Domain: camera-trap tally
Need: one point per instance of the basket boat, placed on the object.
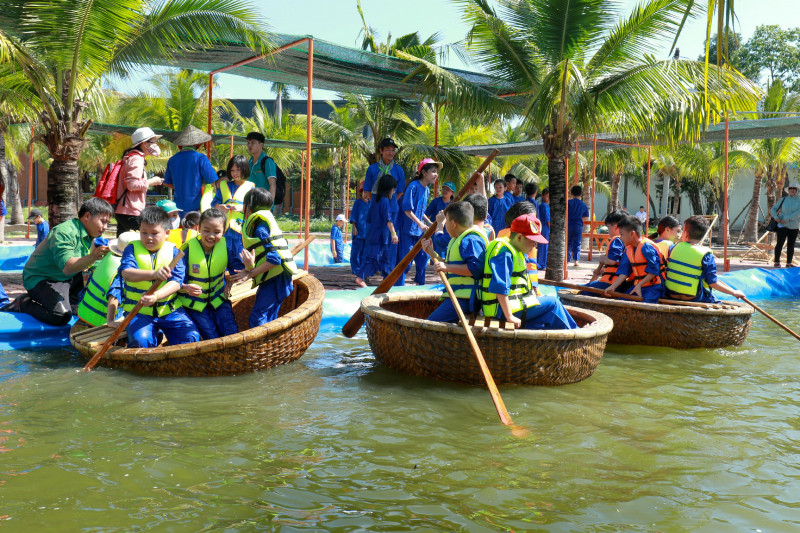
(278, 342)
(671, 326)
(402, 339)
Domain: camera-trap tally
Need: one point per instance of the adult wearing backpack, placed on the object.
(263, 171)
(190, 173)
(133, 182)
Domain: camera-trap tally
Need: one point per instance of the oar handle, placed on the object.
(127, 320)
(357, 320)
(593, 290)
(778, 322)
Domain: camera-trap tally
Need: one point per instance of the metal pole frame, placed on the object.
(594, 172)
(647, 195)
(566, 216)
(726, 262)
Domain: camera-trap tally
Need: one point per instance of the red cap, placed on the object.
(529, 226)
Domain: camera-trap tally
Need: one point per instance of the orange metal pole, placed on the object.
(302, 191)
(725, 261)
(231, 156)
(210, 100)
(436, 144)
(347, 195)
(594, 172)
(647, 196)
(566, 218)
(30, 181)
(308, 138)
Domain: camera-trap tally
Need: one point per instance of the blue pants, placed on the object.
(269, 297)
(447, 313)
(213, 323)
(236, 239)
(375, 257)
(625, 287)
(541, 256)
(356, 255)
(574, 243)
(3, 296)
(407, 242)
(177, 327)
(651, 294)
(549, 314)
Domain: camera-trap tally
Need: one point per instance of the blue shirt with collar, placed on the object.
(338, 240)
(437, 204)
(187, 171)
(415, 199)
(650, 254)
(358, 218)
(41, 232)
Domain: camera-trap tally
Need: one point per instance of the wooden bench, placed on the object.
(485, 322)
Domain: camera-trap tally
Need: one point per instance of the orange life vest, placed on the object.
(639, 263)
(609, 271)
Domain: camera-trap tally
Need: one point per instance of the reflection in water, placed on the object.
(655, 440)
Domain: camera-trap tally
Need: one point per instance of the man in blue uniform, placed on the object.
(190, 173)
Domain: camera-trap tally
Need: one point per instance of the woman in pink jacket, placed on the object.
(133, 182)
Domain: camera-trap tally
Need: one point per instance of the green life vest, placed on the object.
(207, 272)
(235, 219)
(684, 268)
(261, 247)
(135, 289)
(94, 304)
(521, 294)
(463, 286)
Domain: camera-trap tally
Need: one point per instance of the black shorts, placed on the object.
(52, 301)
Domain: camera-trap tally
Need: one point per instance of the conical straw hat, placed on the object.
(191, 136)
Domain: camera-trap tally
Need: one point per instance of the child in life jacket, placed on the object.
(642, 262)
(515, 211)
(230, 198)
(204, 292)
(143, 262)
(692, 268)
(187, 230)
(463, 262)
(606, 270)
(100, 300)
(667, 234)
(507, 291)
(266, 257)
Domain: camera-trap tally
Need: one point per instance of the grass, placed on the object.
(291, 223)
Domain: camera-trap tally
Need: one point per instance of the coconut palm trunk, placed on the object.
(558, 218)
(614, 201)
(751, 224)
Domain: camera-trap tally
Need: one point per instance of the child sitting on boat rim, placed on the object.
(506, 289)
(692, 269)
(266, 257)
(607, 268)
(143, 262)
(463, 261)
(642, 261)
(204, 291)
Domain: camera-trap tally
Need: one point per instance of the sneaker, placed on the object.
(15, 305)
(776, 265)
(791, 265)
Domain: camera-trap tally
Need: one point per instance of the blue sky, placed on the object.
(337, 21)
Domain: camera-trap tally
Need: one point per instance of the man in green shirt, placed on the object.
(53, 275)
(266, 178)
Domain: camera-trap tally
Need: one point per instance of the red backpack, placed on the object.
(107, 184)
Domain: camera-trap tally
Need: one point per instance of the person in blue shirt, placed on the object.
(519, 192)
(337, 239)
(204, 292)
(606, 272)
(543, 211)
(190, 173)
(4, 301)
(642, 263)
(143, 262)
(42, 227)
(463, 262)
(511, 186)
(266, 257)
(358, 223)
(412, 226)
(385, 166)
(263, 172)
(531, 189)
(440, 202)
(499, 204)
(380, 230)
(577, 216)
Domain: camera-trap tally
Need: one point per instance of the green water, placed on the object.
(656, 440)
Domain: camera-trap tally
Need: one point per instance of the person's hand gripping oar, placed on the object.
(505, 418)
(127, 320)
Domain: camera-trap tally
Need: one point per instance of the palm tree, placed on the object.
(581, 69)
(771, 157)
(98, 37)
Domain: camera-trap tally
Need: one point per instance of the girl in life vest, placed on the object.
(187, 230)
(231, 193)
(266, 257)
(203, 294)
(642, 262)
(606, 272)
(667, 234)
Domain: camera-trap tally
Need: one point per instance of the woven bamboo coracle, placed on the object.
(671, 326)
(401, 339)
(278, 342)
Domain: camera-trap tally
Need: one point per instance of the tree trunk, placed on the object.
(697, 204)
(613, 203)
(676, 200)
(558, 218)
(3, 180)
(772, 190)
(664, 198)
(345, 192)
(751, 224)
(332, 203)
(278, 109)
(62, 188)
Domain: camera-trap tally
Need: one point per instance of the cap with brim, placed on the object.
(791, 186)
(141, 135)
(191, 136)
(450, 185)
(118, 245)
(168, 206)
(388, 141)
(34, 213)
(340, 217)
(529, 226)
(428, 161)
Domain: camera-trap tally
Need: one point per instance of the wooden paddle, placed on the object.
(622, 295)
(757, 308)
(357, 320)
(127, 320)
(505, 418)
